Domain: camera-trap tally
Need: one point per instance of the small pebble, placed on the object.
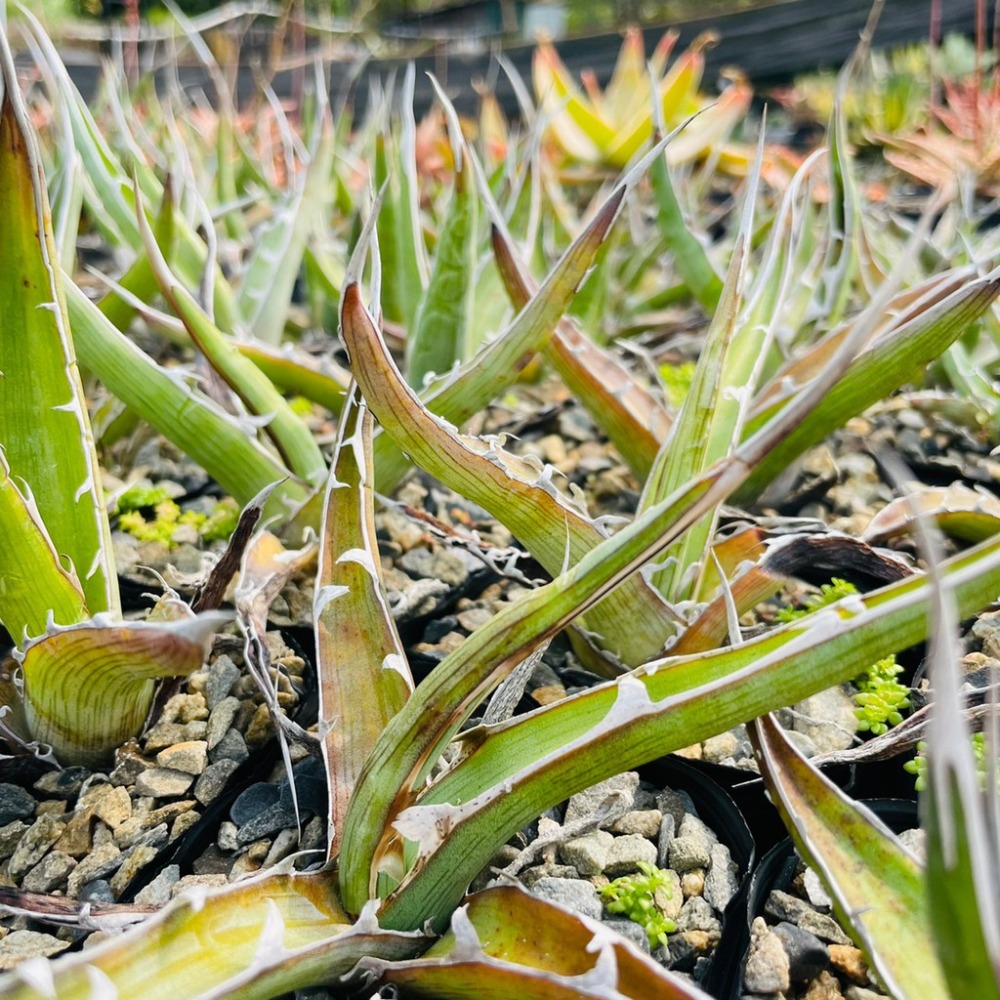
(15, 803)
(807, 955)
(642, 822)
(163, 782)
(213, 780)
(849, 962)
(65, 784)
(575, 894)
(625, 854)
(589, 853)
(693, 882)
(190, 757)
(23, 944)
(721, 881)
(823, 987)
(34, 845)
(49, 874)
(158, 891)
(587, 803)
(767, 968)
(100, 862)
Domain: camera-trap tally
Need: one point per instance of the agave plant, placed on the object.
(406, 836)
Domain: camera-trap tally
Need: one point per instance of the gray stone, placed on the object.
(10, 837)
(213, 780)
(626, 852)
(254, 800)
(49, 874)
(677, 804)
(915, 841)
(986, 629)
(574, 894)
(158, 891)
(691, 826)
(222, 675)
(221, 720)
(98, 891)
(687, 853)
(587, 803)
(445, 565)
(15, 803)
(823, 926)
(718, 748)
(643, 822)
(19, 945)
(861, 993)
(828, 718)
(630, 930)
(666, 835)
(766, 968)
(34, 845)
(536, 873)
(166, 734)
(100, 862)
(232, 746)
(587, 854)
(163, 783)
(190, 757)
(65, 784)
(784, 906)
(807, 955)
(112, 804)
(284, 844)
(265, 823)
(697, 915)
(228, 838)
(721, 879)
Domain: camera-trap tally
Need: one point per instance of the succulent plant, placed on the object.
(804, 331)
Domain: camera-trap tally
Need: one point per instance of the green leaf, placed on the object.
(265, 292)
(36, 587)
(291, 436)
(520, 495)
(44, 427)
(509, 945)
(190, 420)
(496, 365)
(895, 357)
(508, 774)
(88, 688)
(364, 678)
(439, 336)
(258, 938)
(876, 884)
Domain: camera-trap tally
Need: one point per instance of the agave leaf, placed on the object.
(139, 281)
(44, 428)
(37, 587)
(678, 98)
(108, 192)
(713, 126)
(266, 288)
(632, 417)
(363, 674)
(714, 410)
(290, 435)
(318, 379)
(896, 357)
(962, 819)
(690, 259)
(66, 197)
(875, 883)
(510, 773)
(441, 330)
(523, 497)
(967, 514)
(408, 748)
(511, 945)
(579, 129)
(255, 939)
(193, 422)
(496, 365)
(89, 687)
(401, 241)
(629, 86)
